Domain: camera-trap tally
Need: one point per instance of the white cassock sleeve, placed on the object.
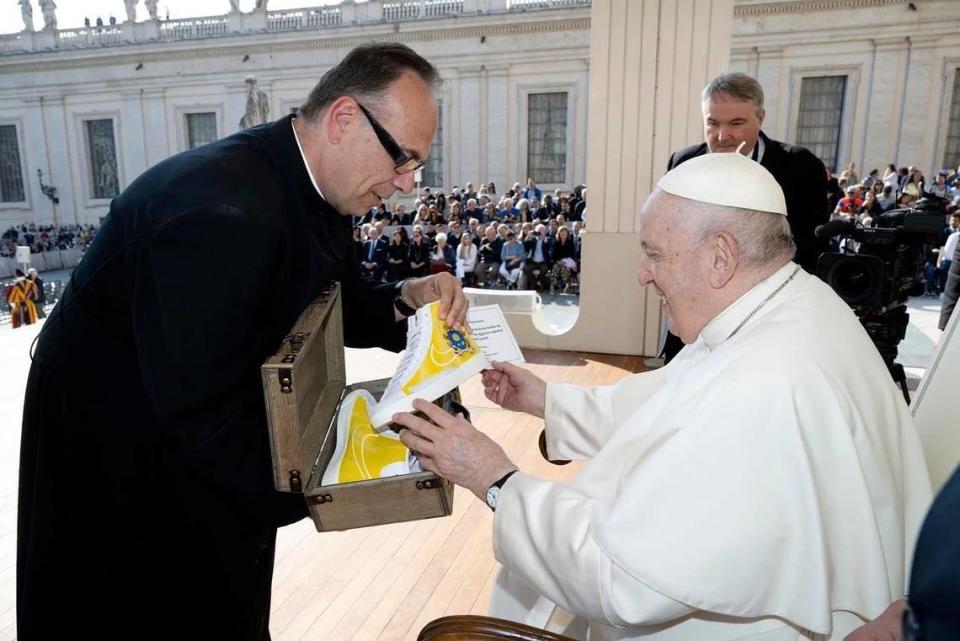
(542, 533)
(580, 420)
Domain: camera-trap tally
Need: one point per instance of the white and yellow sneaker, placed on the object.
(362, 453)
(437, 359)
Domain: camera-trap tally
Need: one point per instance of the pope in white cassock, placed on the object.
(766, 484)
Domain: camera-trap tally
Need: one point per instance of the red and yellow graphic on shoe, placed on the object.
(449, 349)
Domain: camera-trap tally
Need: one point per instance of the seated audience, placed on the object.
(442, 256)
(466, 260)
(564, 269)
(398, 256)
(489, 256)
(511, 260)
(537, 247)
(419, 253)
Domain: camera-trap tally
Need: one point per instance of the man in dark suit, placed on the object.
(147, 507)
(374, 255)
(538, 248)
(733, 115)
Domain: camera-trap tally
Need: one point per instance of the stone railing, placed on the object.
(526, 5)
(193, 28)
(295, 19)
(10, 42)
(347, 12)
(89, 37)
(416, 9)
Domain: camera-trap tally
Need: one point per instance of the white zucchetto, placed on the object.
(730, 180)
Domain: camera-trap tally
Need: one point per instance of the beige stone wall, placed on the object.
(900, 63)
(490, 62)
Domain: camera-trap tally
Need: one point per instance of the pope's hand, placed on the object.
(444, 287)
(452, 448)
(516, 389)
(886, 627)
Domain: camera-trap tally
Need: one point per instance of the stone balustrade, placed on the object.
(347, 12)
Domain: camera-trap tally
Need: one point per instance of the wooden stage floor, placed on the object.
(382, 583)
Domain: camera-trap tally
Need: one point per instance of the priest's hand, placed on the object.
(516, 389)
(452, 448)
(445, 287)
(886, 627)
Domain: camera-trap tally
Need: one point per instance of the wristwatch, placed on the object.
(493, 492)
(398, 302)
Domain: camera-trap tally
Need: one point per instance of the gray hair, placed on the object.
(737, 85)
(761, 237)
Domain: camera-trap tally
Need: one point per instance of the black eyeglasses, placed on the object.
(402, 163)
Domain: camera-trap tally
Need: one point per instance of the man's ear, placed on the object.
(761, 116)
(725, 258)
(338, 118)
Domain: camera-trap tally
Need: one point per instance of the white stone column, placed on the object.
(769, 73)
(497, 127)
(649, 60)
(132, 137)
(34, 157)
(916, 134)
(55, 160)
(156, 143)
(889, 62)
(468, 169)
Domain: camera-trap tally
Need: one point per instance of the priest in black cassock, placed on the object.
(147, 507)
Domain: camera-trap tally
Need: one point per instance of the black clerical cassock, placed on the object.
(147, 507)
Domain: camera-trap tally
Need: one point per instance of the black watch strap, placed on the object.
(503, 479)
(399, 304)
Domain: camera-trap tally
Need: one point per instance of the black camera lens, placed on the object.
(857, 280)
(851, 279)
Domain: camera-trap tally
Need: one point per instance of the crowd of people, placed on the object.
(865, 200)
(42, 238)
(877, 192)
(524, 239)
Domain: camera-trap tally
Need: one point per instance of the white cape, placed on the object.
(768, 485)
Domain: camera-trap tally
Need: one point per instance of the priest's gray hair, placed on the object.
(737, 85)
(761, 237)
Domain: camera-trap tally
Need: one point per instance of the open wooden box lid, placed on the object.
(303, 384)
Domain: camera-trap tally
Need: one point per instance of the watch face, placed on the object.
(492, 494)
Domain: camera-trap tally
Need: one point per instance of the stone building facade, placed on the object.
(867, 81)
